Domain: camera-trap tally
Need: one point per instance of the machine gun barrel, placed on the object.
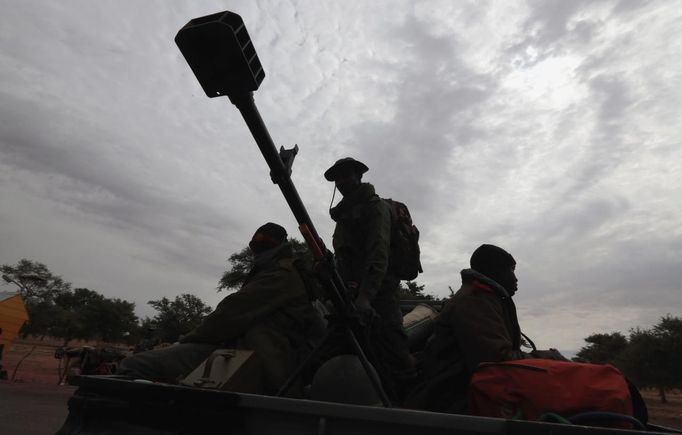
(220, 52)
(279, 172)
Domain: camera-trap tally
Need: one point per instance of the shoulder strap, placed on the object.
(530, 342)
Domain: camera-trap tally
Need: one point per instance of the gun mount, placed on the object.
(220, 52)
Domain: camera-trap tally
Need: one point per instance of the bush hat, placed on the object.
(342, 165)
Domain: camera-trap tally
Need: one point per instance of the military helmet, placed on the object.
(342, 164)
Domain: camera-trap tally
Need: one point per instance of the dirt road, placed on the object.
(32, 409)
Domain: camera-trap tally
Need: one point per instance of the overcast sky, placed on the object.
(550, 128)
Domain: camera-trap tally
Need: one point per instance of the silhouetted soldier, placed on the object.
(478, 324)
(268, 315)
(362, 246)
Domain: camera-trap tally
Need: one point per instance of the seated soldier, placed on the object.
(268, 315)
(478, 324)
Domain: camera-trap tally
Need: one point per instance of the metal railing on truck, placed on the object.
(111, 405)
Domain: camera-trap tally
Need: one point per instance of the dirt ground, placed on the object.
(38, 366)
(34, 359)
(666, 414)
(35, 390)
(21, 403)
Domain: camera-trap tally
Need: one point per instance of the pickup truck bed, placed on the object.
(112, 405)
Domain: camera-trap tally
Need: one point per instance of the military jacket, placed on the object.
(269, 314)
(274, 295)
(362, 238)
(478, 324)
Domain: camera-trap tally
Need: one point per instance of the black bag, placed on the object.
(404, 259)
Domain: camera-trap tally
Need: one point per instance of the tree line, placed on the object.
(56, 309)
(651, 358)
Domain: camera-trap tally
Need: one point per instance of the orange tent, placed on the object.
(12, 316)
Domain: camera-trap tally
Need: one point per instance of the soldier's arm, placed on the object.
(240, 311)
(377, 248)
(482, 332)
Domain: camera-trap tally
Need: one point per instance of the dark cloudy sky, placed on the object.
(550, 128)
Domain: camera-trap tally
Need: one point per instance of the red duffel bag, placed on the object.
(531, 388)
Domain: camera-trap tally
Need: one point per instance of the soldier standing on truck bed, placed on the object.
(362, 246)
(269, 315)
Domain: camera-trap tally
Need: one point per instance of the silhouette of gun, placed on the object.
(220, 52)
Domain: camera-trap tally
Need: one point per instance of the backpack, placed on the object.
(404, 256)
(548, 390)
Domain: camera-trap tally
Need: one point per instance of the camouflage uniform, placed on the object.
(478, 324)
(269, 315)
(362, 246)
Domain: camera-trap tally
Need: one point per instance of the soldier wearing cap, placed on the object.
(268, 315)
(362, 242)
(478, 324)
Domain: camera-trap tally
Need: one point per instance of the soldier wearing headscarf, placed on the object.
(268, 315)
(478, 324)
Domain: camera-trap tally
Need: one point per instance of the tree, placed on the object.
(649, 357)
(412, 290)
(654, 357)
(66, 322)
(35, 280)
(55, 309)
(602, 348)
(668, 334)
(86, 314)
(117, 320)
(177, 317)
(242, 262)
(43, 315)
(38, 287)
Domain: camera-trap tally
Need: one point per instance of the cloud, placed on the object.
(548, 128)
